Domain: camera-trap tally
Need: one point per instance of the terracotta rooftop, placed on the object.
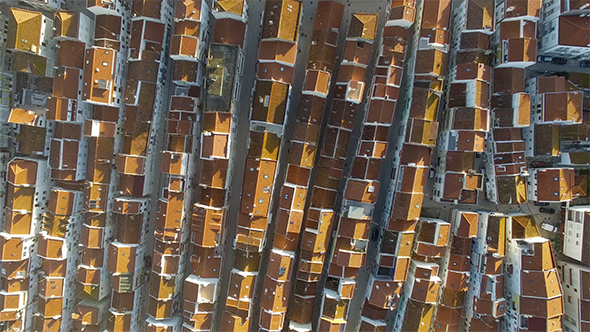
(22, 172)
(277, 50)
(363, 26)
(460, 161)
(554, 84)
(565, 106)
(469, 140)
(71, 54)
(517, 29)
(522, 50)
(24, 30)
(517, 8)
(554, 184)
(231, 6)
(188, 9)
(436, 14)
(468, 118)
(229, 31)
(24, 117)
(328, 15)
(281, 20)
(480, 15)
(574, 30)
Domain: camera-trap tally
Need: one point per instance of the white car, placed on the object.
(550, 228)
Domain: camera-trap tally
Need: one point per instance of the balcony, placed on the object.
(123, 283)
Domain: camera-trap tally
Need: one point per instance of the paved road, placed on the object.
(572, 66)
(255, 10)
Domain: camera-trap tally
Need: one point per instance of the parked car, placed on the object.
(539, 164)
(550, 228)
(559, 61)
(541, 203)
(544, 58)
(375, 234)
(585, 63)
(547, 210)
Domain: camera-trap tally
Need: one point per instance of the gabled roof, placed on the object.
(230, 6)
(21, 171)
(554, 84)
(277, 50)
(71, 54)
(565, 106)
(229, 31)
(147, 8)
(480, 14)
(522, 50)
(517, 8)
(436, 14)
(470, 140)
(363, 26)
(188, 9)
(281, 20)
(66, 23)
(24, 30)
(574, 30)
(24, 117)
(554, 184)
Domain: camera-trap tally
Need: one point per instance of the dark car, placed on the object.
(547, 210)
(538, 164)
(541, 203)
(544, 58)
(375, 234)
(585, 63)
(558, 61)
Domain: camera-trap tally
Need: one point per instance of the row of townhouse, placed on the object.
(202, 293)
(532, 286)
(362, 185)
(574, 268)
(506, 169)
(347, 251)
(484, 303)
(71, 240)
(556, 118)
(187, 29)
(258, 285)
(302, 235)
(59, 150)
(396, 272)
(563, 28)
(332, 262)
(514, 38)
(139, 165)
(467, 111)
(484, 271)
(429, 283)
(26, 176)
(119, 174)
(102, 60)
